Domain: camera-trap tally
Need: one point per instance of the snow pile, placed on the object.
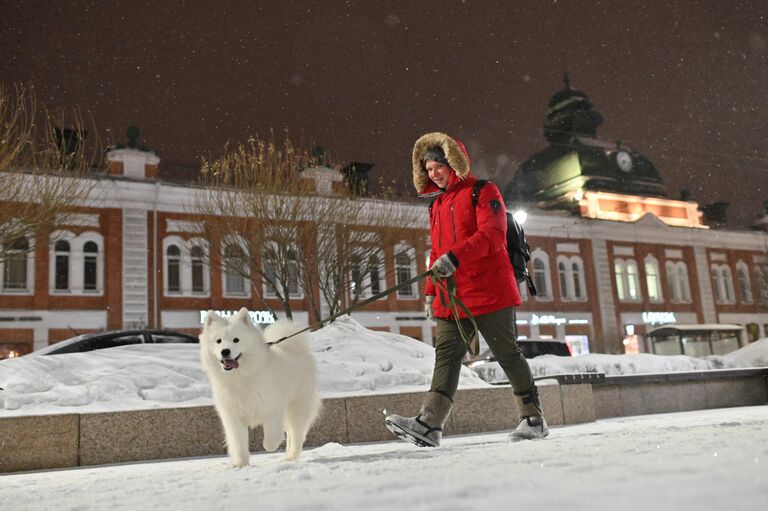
(753, 355)
(352, 360)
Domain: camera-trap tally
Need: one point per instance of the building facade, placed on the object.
(133, 256)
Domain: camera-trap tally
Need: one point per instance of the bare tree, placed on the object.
(40, 167)
(292, 236)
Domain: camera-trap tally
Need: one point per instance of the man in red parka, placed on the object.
(469, 242)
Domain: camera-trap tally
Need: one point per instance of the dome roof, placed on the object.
(565, 97)
(570, 113)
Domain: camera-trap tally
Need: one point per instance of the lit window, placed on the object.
(627, 280)
(653, 279)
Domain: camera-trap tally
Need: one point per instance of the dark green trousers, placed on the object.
(499, 330)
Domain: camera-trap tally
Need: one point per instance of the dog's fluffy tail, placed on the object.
(283, 328)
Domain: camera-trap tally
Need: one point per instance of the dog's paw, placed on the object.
(239, 463)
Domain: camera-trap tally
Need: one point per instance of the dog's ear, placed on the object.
(244, 316)
(210, 317)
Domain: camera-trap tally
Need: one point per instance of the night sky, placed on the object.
(684, 83)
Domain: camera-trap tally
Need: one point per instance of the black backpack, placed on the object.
(517, 246)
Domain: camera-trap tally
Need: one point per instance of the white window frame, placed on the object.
(623, 279)
(185, 267)
(656, 276)
(761, 275)
(722, 284)
(268, 292)
(239, 243)
(76, 263)
(406, 250)
(571, 277)
(29, 285)
(367, 283)
(678, 281)
(540, 255)
(745, 283)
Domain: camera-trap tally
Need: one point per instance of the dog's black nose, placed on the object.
(225, 353)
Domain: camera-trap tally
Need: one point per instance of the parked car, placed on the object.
(103, 340)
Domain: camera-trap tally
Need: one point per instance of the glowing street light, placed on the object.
(520, 216)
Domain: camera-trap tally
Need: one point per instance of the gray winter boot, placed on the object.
(426, 429)
(532, 424)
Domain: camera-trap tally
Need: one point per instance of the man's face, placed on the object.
(439, 173)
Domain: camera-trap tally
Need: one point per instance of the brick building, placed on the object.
(127, 258)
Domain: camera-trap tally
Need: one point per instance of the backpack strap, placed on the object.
(476, 191)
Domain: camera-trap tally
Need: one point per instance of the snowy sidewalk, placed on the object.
(713, 459)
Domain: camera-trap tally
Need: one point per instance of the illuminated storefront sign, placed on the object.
(659, 318)
(549, 319)
(258, 317)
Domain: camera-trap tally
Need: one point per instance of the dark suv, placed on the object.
(531, 348)
(488, 369)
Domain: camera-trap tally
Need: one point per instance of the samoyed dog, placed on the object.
(255, 383)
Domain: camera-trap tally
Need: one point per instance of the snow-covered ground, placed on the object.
(704, 460)
(352, 360)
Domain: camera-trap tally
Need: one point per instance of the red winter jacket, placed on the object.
(477, 236)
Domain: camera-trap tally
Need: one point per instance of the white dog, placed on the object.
(254, 383)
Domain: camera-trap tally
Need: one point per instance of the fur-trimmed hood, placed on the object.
(455, 153)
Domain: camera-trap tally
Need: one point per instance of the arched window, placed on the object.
(186, 266)
(627, 280)
(61, 271)
(15, 265)
(375, 272)
(76, 263)
(197, 258)
(173, 268)
(633, 284)
(653, 279)
(716, 288)
(293, 274)
(405, 269)
(618, 271)
(579, 290)
(90, 266)
(281, 271)
(235, 270)
(541, 277)
(745, 286)
(722, 283)
(570, 272)
(565, 291)
(269, 263)
(677, 280)
(356, 275)
(761, 280)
